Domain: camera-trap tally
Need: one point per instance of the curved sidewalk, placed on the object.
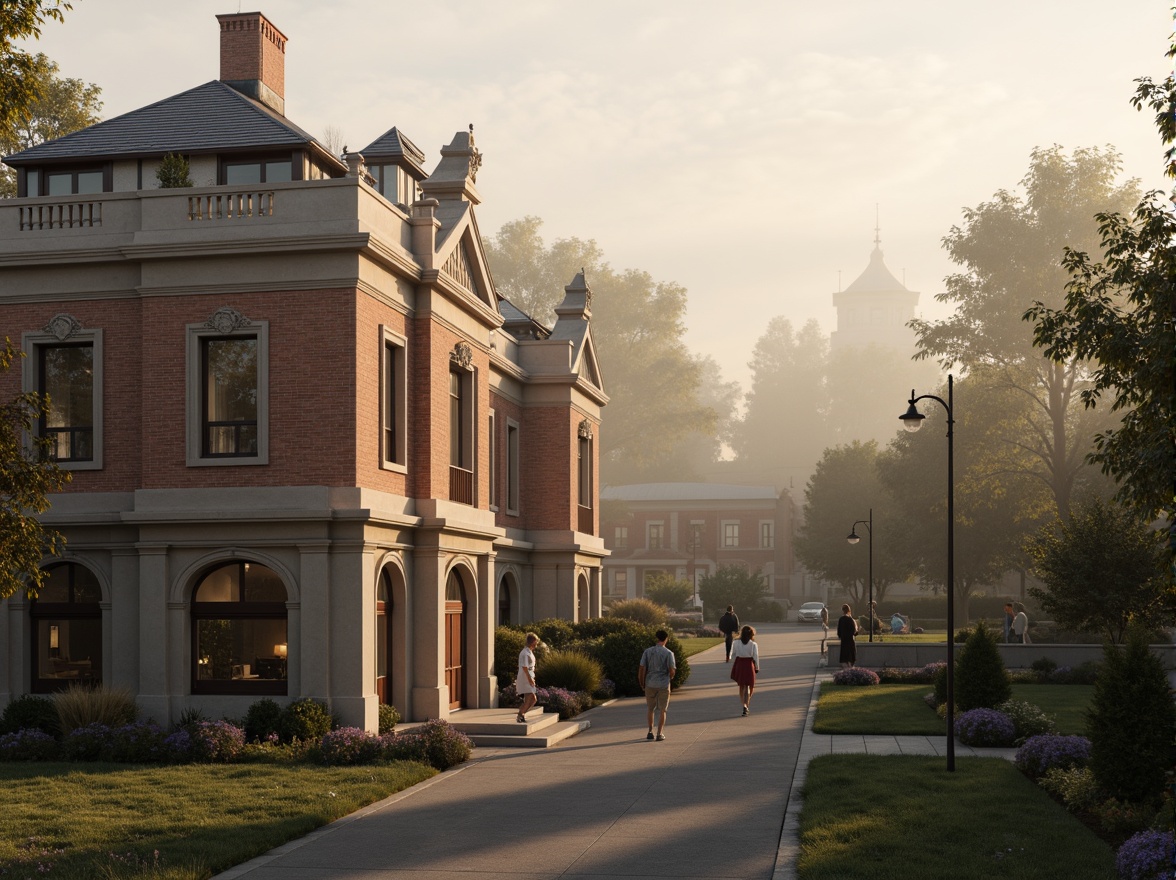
(718, 799)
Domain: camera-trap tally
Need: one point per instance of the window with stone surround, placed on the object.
(393, 402)
(64, 366)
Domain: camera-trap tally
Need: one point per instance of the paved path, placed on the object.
(711, 801)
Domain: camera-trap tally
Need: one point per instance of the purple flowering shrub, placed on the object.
(1147, 855)
(85, 743)
(435, 743)
(567, 703)
(856, 676)
(350, 745)
(29, 744)
(215, 742)
(907, 675)
(1040, 753)
(708, 632)
(1028, 719)
(985, 728)
(140, 742)
(606, 690)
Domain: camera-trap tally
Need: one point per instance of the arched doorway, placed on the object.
(506, 591)
(384, 637)
(583, 606)
(455, 639)
(66, 629)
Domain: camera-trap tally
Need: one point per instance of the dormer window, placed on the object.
(67, 181)
(395, 184)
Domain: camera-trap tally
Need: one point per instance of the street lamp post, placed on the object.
(853, 538)
(912, 419)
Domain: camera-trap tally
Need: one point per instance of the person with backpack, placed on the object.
(728, 626)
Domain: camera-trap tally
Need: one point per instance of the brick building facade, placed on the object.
(313, 453)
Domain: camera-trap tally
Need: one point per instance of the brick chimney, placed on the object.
(253, 58)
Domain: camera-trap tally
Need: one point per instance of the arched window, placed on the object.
(239, 642)
(66, 629)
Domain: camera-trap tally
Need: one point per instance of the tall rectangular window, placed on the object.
(461, 435)
(512, 467)
(656, 535)
(584, 472)
(493, 450)
(228, 391)
(229, 371)
(730, 534)
(620, 538)
(393, 395)
(767, 533)
(458, 455)
(621, 583)
(67, 386)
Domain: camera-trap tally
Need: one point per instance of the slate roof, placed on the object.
(210, 118)
(687, 492)
(876, 278)
(394, 144)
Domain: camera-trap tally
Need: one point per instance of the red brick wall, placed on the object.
(547, 451)
(252, 48)
(369, 347)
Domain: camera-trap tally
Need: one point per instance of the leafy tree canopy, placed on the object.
(1102, 570)
(19, 20)
(731, 585)
(1118, 316)
(57, 106)
(26, 479)
(655, 384)
(665, 589)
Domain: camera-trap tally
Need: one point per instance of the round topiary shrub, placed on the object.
(435, 743)
(1027, 719)
(305, 720)
(571, 670)
(856, 677)
(262, 719)
(1146, 856)
(29, 712)
(388, 718)
(981, 680)
(216, 742)
(641, 610)
(85, 743)
(140, 742)
(985, 728)
(1040, 753)
(28, 744)
(596, 628)
(350, 745)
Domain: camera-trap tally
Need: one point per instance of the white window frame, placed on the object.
(393, 402)
(769, 527)
(620, 537)
(661, 541)
(196, 334)
(730, 541)
(492, 448)
(30, 343)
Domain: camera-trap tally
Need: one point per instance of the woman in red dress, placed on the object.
(745, 653)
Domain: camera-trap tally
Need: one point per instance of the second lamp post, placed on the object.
(853, 538)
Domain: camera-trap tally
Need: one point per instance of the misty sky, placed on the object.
(738, 149)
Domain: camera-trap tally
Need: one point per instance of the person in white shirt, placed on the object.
(745, 653)
(525, 683)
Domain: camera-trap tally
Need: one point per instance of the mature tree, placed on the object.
(992, 514)
(731, 585)
(1119, 315)
(57, 106)
(1011, 251)
(1102, 570)
(844, 489)
(653, 381)
(19, 85)
(784, 428)
(26, 478)
(665, 589)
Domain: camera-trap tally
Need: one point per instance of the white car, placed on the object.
(809, 612)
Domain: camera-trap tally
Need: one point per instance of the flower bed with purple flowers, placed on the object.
(1040, 753)
(1146, 856)
(986, 728)
(856, 676)
(350, 745)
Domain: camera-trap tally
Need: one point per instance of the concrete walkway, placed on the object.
(718, 799)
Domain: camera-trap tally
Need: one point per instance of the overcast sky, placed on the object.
(738, 149)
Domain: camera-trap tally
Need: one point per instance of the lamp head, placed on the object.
(912, 419)
(853, 537)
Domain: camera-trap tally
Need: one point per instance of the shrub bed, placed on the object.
(985, 728)
(1041, 753)
(856, 676)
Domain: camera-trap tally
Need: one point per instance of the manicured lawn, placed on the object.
(900, 817)
(173, 823)
(899, 710)
(690, 647)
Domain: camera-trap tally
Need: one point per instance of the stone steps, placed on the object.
(497, 728)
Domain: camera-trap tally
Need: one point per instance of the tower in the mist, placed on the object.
(875, 309)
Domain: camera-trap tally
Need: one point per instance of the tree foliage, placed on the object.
(844, 488)
(26, 479)
(654, 382)
(1102, 570)
(731, 585)
(174, 172)
(1011, 249)
(20, 20)
(56, 106)
(981, 680)
(665, 589)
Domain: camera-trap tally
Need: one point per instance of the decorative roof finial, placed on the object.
(877, 228)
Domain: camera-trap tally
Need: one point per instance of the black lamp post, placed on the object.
(853, 538)
(913, 420)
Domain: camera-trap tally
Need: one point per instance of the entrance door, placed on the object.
(455, 640)
(384, 638)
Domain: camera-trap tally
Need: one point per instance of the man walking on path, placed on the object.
(654, 676)
(728, 626)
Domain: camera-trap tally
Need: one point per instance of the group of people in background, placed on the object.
(1016, 624)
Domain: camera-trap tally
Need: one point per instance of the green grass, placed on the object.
(899, 709)
(899, 817)
(690, 647)
(174, 823)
